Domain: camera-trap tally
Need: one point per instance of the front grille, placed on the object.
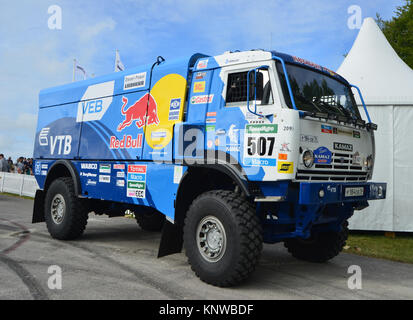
(340, 169)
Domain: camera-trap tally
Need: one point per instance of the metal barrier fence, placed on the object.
(20, 184)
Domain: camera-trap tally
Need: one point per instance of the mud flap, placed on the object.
(38, 207)
(171, 240)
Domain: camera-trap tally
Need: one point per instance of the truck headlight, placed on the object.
(369, 162)
(308, 158)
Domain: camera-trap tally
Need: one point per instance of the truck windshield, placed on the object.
(317, 92)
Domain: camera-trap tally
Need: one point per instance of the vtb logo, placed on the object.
(142, 111)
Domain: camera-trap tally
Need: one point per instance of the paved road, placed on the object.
(115, 259)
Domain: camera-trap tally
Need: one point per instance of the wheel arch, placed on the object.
(195, 181)
(63, 168)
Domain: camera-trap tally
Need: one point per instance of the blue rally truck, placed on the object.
(221, 153)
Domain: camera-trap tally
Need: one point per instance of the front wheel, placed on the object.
(320, 247)
(222, 238)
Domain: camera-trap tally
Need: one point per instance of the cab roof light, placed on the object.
(361, 123)
(371, 126)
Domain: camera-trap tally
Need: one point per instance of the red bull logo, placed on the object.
(142, 111)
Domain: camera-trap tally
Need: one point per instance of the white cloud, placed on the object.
(89, 32)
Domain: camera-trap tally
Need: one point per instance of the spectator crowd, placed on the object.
(22, 165)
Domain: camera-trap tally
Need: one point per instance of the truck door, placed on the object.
(230, 123)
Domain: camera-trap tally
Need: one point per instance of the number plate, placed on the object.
(354, 192)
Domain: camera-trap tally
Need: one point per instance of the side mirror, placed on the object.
(255, 88)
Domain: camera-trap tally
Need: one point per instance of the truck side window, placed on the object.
(237, 88)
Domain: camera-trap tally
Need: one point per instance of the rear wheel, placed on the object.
(222, 238)
(65, 214)
(150, 219)
(320, 247)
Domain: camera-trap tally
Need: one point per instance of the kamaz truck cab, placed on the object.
(221, 153)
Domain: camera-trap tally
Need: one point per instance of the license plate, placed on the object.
(354, 192)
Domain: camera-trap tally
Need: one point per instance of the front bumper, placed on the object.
(313, 193)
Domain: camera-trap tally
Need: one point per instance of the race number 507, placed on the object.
(261, 146)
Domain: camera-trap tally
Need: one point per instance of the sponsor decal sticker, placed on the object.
(211, 114)
(356, 134)
(133, 81)
(127, 142)
(141, 112)
(202, 99)
(43, 137)
(284, 147)
(174, 109)
(158, 134)
(118, 167)
(282, 156)
(178, 172)
(209, 128)
(308, 138)
(104, 168)
(259, 145)
(91, 182)
(285, 167)
(88, 174)
(307, 63)
(89, 166)
(120, 183)
(326, 129)
(322, 155)
(260, 162)
(211, 120)
(331, 189)
(202, 64)
(37, 168)
(91, 108)
(343, 146)
(120, 174)
(199, 86)
(136, 182)
(200, 75)
(261, 128)
(104, 178)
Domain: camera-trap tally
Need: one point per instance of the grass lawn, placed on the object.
(15, 195)
(377, 245)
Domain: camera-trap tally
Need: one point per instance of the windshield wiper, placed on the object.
(305, 100)
(343, 109)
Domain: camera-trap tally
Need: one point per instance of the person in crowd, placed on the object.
(20, 165)
(11, 165)
(4, 165)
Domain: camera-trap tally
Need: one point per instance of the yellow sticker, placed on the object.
(285, 167)
(168, 94)
(199, 86)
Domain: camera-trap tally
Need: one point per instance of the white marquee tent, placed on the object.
(386, 83)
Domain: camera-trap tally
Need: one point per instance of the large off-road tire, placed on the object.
(65, 215)
(320, 247)
(222, 238)
(150, 220)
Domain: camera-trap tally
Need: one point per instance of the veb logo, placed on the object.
(95, 102)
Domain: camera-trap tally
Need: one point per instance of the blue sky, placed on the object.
(33, 57)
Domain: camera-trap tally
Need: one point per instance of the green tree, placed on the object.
(399, 31)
